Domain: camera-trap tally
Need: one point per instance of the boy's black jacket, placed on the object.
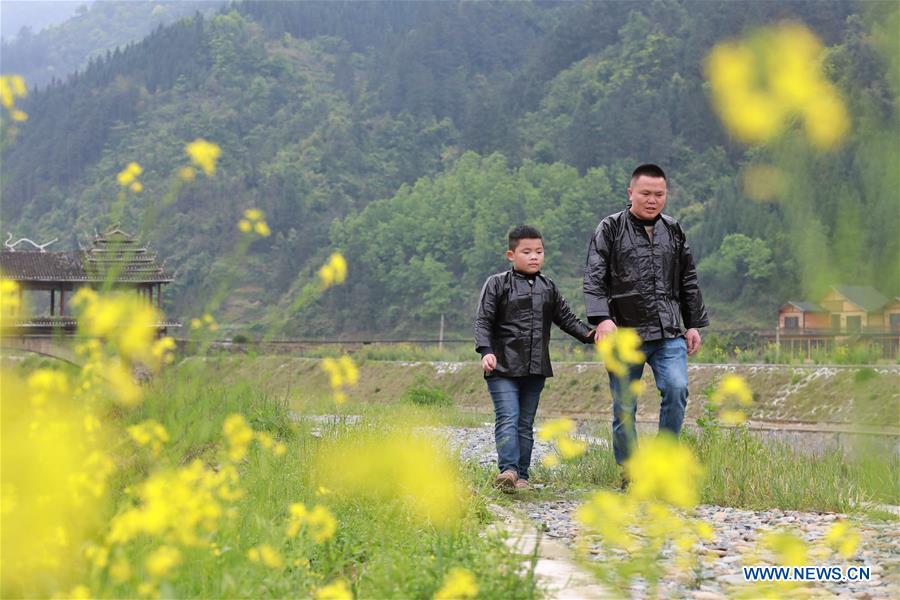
(513, 322)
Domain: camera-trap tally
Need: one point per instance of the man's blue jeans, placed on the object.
(668, 359)
(515, 404)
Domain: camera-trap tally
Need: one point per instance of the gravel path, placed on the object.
(736, 533)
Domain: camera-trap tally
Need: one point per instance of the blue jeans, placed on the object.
(668, 359)
(515, 404)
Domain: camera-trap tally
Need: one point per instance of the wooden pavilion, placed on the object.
(114, 257)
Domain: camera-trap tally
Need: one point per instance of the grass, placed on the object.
(379, 548)
(742, 471)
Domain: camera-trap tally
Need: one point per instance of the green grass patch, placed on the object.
(743, 471)
(380, 549)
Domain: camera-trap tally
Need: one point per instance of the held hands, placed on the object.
(692, 337)
(603, 329)
(488, 363)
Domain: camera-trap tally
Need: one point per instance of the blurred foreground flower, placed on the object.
(12, 87)
(128, 177)
(203, 154)
(149, 433)
(843, 538)
(559, 432)
(760, 82)
(53, 479)
(665, 470)
(336, 590)
(458, 583)
(342, 375)
(334, 271)
(620, 350)
(319, 521)
(396, 466)
(730, 398)
(254, 222)
(267, 555)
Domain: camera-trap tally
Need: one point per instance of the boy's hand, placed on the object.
(488, 363)
(604, 329)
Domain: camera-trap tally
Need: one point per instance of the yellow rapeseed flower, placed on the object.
(267, 555)
(238, 434)
(620, 350)
(395, 466)
(149, 433)
(120, 570)
(334, 271)
(245, 226)
(162, 560)
(320, 522)
(12, 87)
(262, 229)
(609, 515)
(253, 214)
(789, 549)
(204, 154)
(556, 428)
(129, 174)
(458, 583)
(662, 469)
(177, 506)
(761, 81)
(342, 374)
(336, 590)
(843, 538)
(569, 448)
(46, 385)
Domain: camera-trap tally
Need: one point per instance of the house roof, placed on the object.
(805, 306)
(864, 296)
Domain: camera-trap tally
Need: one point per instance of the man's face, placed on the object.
(528, 257)
(648, 196)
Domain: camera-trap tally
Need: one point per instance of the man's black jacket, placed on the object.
(513, 321)
(642, 284)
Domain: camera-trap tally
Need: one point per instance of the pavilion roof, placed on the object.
(114, 253)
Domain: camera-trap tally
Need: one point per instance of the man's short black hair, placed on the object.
(649, 170)
(523, 232)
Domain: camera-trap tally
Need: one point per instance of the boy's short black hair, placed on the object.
(523, 232)
(649, 170)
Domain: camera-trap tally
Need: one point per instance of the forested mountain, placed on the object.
(413, 135)
(97, 28)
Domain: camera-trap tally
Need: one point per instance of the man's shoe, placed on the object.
(506, 480)
(522, 484)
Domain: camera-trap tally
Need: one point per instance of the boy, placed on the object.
(512, 334)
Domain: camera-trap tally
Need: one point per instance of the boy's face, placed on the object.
(528, 257)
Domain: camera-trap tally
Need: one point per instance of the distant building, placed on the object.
(114, 256)
(845, 311)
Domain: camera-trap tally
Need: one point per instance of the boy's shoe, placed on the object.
(506, 480)
(522, 484)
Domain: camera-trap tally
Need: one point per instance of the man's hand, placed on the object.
(604, 329)
(488, 362)
(692, 337)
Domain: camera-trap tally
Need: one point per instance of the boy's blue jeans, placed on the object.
(668, 359)
(515, 404)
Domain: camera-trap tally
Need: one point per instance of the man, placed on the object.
(640, 274)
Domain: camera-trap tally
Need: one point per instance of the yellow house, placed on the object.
(855, 308)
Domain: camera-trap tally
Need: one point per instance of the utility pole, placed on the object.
(441, 334)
